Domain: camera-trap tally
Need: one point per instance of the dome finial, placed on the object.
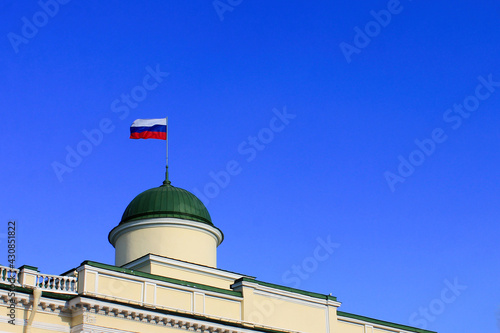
(166, 182)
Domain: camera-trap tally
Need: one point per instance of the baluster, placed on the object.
(43, 281)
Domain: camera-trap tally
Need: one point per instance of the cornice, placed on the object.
(165, 222)
(25, 301)
(90, 308)
(284, 293)
(378, 324)
(185, 321)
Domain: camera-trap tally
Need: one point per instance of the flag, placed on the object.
(149, 129)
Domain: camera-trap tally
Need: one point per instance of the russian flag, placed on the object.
(149, 129)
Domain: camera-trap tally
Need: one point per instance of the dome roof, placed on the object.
(166, 201)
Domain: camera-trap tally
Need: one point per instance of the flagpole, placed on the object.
(167, 181)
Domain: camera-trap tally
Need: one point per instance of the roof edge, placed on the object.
(161, 278)
(383, 322)
(289, 289)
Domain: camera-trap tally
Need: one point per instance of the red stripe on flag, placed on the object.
(149, 135)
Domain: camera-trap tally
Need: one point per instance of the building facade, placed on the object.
(165, 279)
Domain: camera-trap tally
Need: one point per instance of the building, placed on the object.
(165, 279)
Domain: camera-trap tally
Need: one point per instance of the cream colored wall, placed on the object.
(176, 242)
(333, 319)
(76, 320)
(163, 296)
(345, 327)
(43, 318)
(272, 312)
(94, 283)
(20, 329)
(175, 299)
(290, 314)
(261, 305)
(87, 281)
(224, 308)
(120, 288)
(185, 275)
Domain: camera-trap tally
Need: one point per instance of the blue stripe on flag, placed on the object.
(155, 128)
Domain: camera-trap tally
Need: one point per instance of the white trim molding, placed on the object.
(283, 294)
(185, 266)
(164, 222)
(94, 308)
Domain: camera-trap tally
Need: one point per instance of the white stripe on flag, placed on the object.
(149, 122)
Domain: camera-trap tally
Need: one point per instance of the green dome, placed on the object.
(166, 201)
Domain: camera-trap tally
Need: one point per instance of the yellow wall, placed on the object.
(185, 275)
(176, 242)
(23, 313)
(267, 310)
(175, 299)
(120, 288)
(290, 314)
(260, 305)
(350, 327)
(224, 308)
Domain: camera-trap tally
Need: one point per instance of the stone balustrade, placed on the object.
(30, 277)
(55, 283)
(9, 275)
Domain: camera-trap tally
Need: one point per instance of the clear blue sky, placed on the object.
(360, 82)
